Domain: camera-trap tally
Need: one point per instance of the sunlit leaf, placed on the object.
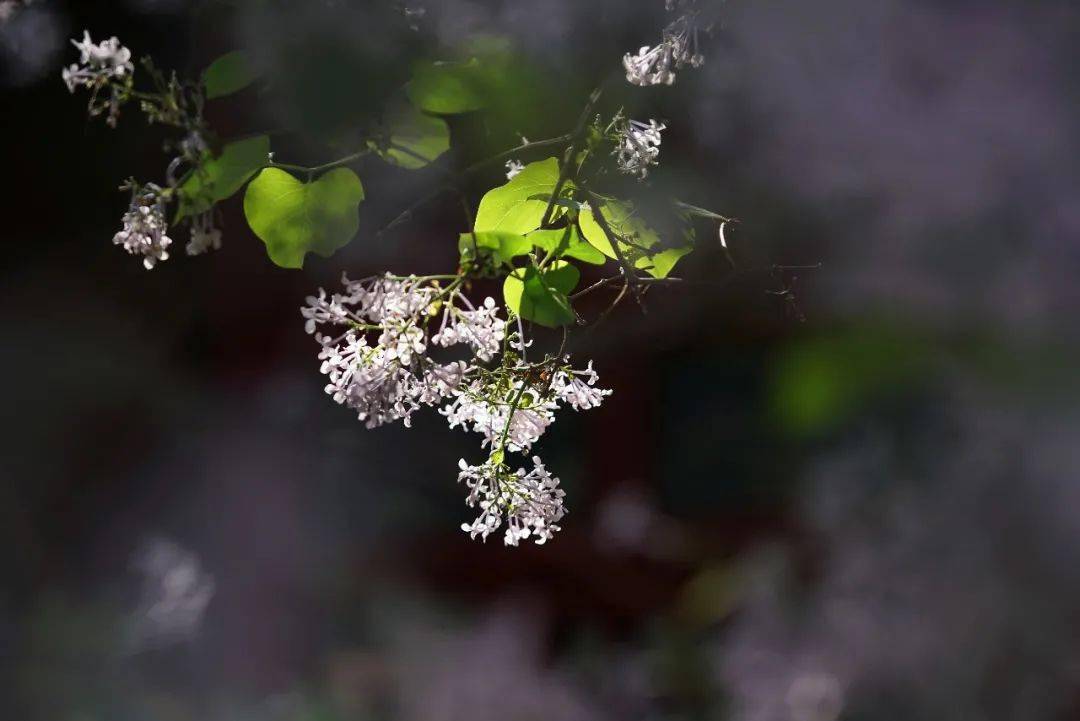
(499, 245)
(294, 218)
(518, 206)
(219, 178)
(659, 265)
(625, 223)
(541, 296)
(566, 242)
(641, 244)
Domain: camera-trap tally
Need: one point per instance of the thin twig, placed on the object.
(595, 286)
(316, 169)
(632, 280)
(607, 311)
(567, 168)
(406, 214)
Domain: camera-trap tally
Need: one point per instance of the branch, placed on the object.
(568, 158)
(406, 214)
(315, 169)
(641, 280)
(632, 279)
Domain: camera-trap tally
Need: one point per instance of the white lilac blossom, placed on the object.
(491, 413)
(376, 362)
(513, 167)
(392, 299)
(650, 66)
(145, 226)
(578, 388)
(204, 236)
(638, 147)
(391, 379)
(98, 63)
(481, 329)
(104, 65)
(375, 382)
(530, 502)
(678, 48)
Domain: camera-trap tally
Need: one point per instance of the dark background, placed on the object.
(847, 493)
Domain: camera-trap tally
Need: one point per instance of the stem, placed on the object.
(513, 409)
(632, 279)
(406, 214)
(595, 286)
(568, 166)
(565, 240)
(316, 169)
(506, 154)
(610, 308)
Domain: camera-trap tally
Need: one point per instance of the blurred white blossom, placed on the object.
(513, 167)
(8, 8)
(98, 62)
(104, 66)
(678, 48)
(175, 593)
(204, 235)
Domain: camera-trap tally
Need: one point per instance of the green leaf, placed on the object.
(219, 178)
(447, 88)
(642, 247)
(228, 74)
(659, 265)
(419, 138)
(566, 242)
(294, 218)
(625, 223)
(518, 206)
(542, 296)
(499, 245)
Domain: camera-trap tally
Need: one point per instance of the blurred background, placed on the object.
(843, 493)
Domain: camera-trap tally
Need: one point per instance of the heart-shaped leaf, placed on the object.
(518, 206)
(219, 178)
(541, 296)
(294, 218)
